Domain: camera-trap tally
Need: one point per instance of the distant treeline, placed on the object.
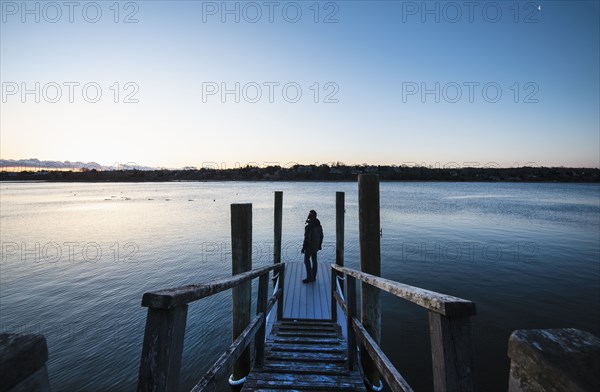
(315, 173)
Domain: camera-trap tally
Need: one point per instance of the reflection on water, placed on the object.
(76, 259)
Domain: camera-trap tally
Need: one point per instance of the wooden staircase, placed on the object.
(305, 355)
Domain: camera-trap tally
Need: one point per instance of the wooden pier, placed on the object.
(300, 343)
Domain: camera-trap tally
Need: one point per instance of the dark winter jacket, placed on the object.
(313, 236)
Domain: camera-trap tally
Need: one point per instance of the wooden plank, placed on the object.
(303, 340)
(318, 328)
(229, 357)
(160, 365)
(169, 298)
(299, 367)
(328, 348)
(306, 356)
(452, 353)
(311, 334)
(391, 375)
(440, 303)
(306, 382)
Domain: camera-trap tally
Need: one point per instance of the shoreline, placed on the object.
(313, 173)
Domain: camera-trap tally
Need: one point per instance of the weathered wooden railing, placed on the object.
(449, 327)
(165, 328)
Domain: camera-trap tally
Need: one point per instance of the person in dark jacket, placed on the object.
(313, 240)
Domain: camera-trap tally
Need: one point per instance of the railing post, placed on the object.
(351, 308)
(451, 353)
(241, 252)
(160, 365)
(370, 262)
(282, 288)
(261, 307)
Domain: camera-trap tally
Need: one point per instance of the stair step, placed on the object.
(304, 355)
(303, 382)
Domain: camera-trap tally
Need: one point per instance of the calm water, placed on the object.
(76, 259)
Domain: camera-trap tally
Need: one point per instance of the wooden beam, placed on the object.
(160, 365)
(241, 252)
(392, 377)
(170, 298)
(451, 353)
(446, 305)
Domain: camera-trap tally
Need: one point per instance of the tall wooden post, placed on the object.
(339, 248)
(241, 253)
(277, 226)
(370, 262)
(340, 210)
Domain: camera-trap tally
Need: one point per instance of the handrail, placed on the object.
(443, 304)
(170, 298)
(165, 329)
(449, 328)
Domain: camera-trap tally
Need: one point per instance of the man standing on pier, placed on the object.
(313, 239)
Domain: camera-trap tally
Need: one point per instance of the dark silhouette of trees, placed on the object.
(335, 172)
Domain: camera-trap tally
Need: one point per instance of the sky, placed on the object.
(202, 83)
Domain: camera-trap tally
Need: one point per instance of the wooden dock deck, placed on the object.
(307, 300)
(306, 344)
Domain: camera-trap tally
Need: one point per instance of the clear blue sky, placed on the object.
(366, 69)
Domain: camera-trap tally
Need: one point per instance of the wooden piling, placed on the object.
(340, 210)
(339, 247)
(277, 229)
(278, 214)
(370, 262)
(241, 253)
